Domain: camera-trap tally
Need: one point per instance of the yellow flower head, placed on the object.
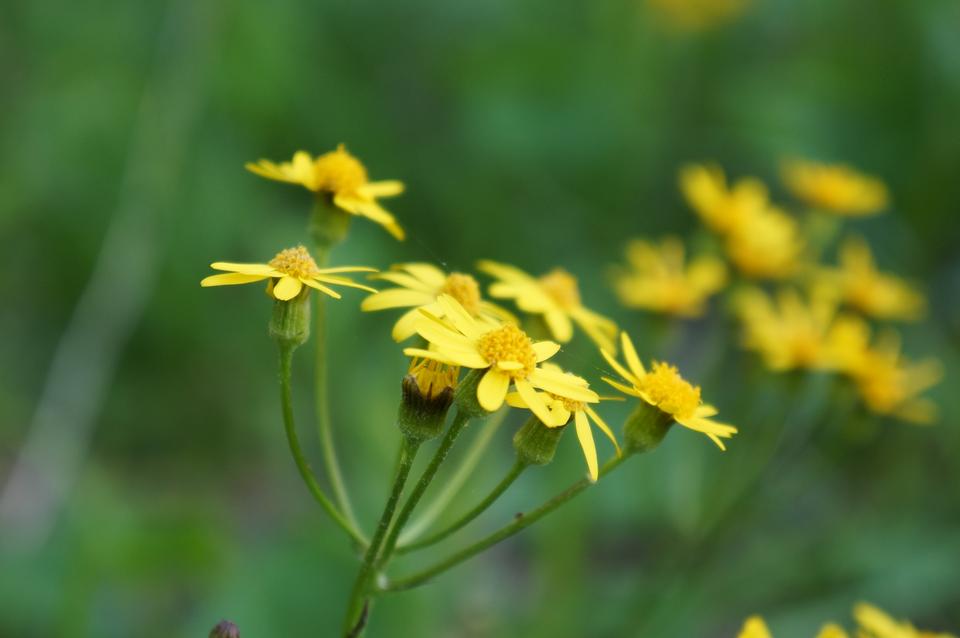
(507, 354)
(288, 272)
(554, 296)
(419, 285)
(768, 247)
(874, 293)
(340, 175)
(433, 377)
(664, 388)
(562, 408)
(754, 627)
(722, 209)
(835, 188)
(657, 279)
(875, 623)
(697, 15)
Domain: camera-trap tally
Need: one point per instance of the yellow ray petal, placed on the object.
(557, 383)
(603, 427)
(559, 325)
(331, 271)
(406, 325)
(515, 400)
(433, 355)
(385, 188)
(623, 372)
(509, 365)
(630, 356)
(625, 389)
(343, 281)
(395, 298)
(230, 279)
(585, 436)
(406, 281)
(288, 288)
(545, 349)
(535, 402)
(426, 273)
(492, 390)
(246, 269)
(324, 289)
(460, 318)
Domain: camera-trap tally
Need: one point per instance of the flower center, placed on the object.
(433, 377)
(295, 262)
(339, 172)
(465, 290)
(508, 343)
(670, 392)
(562, 287)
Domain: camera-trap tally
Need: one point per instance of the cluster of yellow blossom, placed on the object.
(698, 15)
(817, 315)
(871, 623)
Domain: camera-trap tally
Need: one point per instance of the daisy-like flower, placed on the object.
(341, 176)
(755, 627)
(505, 352)
(657, 279)
(874, 293)
(419, 285)
(561, 409)
(556, 297)
(835, 188)
(875, 623)
(288, 272)
(721, 208)
(769, 246)
(664, 388)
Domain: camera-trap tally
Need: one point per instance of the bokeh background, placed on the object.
(140, 413)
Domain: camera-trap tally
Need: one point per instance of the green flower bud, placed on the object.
(328, 223)
(536, 443)
(290, 323)
(645, 428)
(225, 629)
(423, 409)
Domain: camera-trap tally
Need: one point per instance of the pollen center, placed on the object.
(465, 290)
(295, 262)
(569, 404)
(339, 172)
(562, 287)
(670, 392)
(508, 344)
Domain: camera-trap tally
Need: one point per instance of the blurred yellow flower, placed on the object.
(874, 293)
(769, 246)
(657, 279)
(561, 409)
(507, 354)
(419, 285)
(556, 297)
(343, 177)
(875, 623)
(697, 15)
(288, 272)
(722, 209)
(664, 388)
(835, 188)
(755, 627)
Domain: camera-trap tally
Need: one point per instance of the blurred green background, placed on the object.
(156, 493)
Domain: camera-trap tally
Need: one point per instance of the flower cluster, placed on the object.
(872, 622)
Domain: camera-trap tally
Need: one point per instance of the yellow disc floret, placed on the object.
(670, 392)
(508, 344)
(562, 287)
(339, 172)
(433, 377)
(295, 262)
(465, 290)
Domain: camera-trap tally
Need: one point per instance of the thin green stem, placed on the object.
(481, 507)
(460, 420)
(357, 606)
(452, 486)
(286, 403)
(522, 521)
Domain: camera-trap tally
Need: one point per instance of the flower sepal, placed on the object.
(466, 395)
(536, 443)
(290, 323)
(645, 428)
(421, 415)
(329, 224)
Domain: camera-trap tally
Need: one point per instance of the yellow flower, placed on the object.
(835, 188)
(697, 15)
(343, 177)
(754, 627)
(507, 354)
(768, 247)
(664, 388)
(657, 278)
(289, 271)
(433, 377)
(562, 408)
(787, 332)
(874, 293)
(874, 623)
(722, 209)
(556, 297)
(419, 286)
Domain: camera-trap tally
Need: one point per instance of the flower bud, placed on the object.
(328, 224)
(225, 629)
(536, 443)
(423, 410)
(290, 323)
(466, 395)
(645, 428)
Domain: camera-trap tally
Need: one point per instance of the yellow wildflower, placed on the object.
(875, 623)
(507, 354)
(288, 272)
(340, 175)
(658, 279)
(754, 627)
(419, 285)
(874, 293)
(721, 208)
(562, 408)
(835, 188)
(768, 247)
(696, 15)
(556, 297)
(664, 388)
(433, 377)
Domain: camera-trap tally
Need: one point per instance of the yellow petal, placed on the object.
(288, 288)
(545, 349)
(246, 269)
(509, 365)
(515, 400)
(330, 271)
(428, 274)
(630, 356)
(325, 290)
(492, 390)
(623, 372)
(343, 281)
(230, 279)
(625, 389)
(585, 436)
(433, 355)
(395, 298)
(535, 402)
(385, 188)
(407, 281)
(559, 384)
(559, 325)
(460, 318)
(603, 427)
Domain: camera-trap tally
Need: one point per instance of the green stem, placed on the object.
(460, 420)
(501, 487)
(357, 606)
(451, 487)
(286, 402)
(522, 521)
